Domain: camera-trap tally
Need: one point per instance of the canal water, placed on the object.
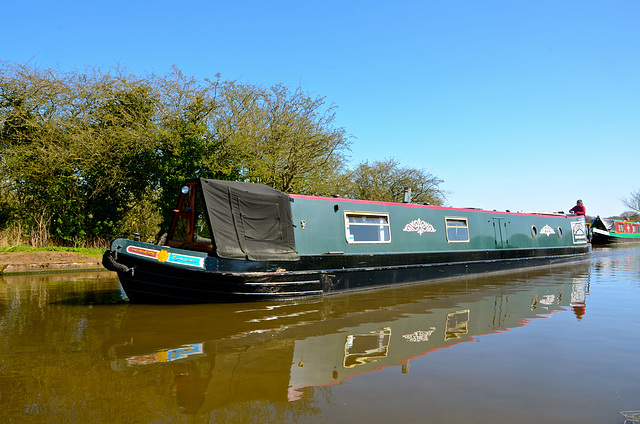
(554, 345)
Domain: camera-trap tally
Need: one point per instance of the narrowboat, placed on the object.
(611, 231)
(237, 241)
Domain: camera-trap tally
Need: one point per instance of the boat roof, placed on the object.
(418, 205)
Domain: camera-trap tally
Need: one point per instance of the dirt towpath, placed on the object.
(45, 261)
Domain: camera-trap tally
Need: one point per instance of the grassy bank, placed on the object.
(30, 249)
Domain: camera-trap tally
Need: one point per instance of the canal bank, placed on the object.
(48, 261)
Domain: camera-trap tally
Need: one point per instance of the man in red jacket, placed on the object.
(579, 208)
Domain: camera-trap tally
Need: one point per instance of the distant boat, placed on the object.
(609, 231)
(236, 241)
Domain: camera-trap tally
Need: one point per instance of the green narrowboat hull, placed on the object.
(599, 237)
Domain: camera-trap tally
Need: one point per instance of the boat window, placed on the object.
(457, 324)
(361, 349)
(362, 227)
(201, 231)
(534, 231)
(559, 232)
(457, 230)
(190, 226)
(181, 231)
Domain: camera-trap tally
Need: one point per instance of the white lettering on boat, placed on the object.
(165, 256)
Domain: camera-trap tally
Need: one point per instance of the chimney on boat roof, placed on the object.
(407, 195)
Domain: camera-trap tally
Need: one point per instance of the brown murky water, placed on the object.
(556, 345)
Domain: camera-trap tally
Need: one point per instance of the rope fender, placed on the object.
(109, 261)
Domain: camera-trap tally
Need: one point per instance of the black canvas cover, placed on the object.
(249, 221)
(605, 224)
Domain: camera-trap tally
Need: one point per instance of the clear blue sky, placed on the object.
(520, 105)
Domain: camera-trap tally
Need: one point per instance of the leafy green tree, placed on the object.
(143, 217)
(386, 180)
(239, 131)
(188, 146)
(75, 149)
(34, 169)
(88, 155)
(282, 138)
(118, 150)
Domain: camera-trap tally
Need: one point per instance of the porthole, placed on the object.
(534, 231)
(559, 232)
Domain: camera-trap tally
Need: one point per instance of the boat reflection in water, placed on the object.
(225, 354)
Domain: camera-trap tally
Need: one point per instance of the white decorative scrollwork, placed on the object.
(420, 335)
(419, 226)
(547, 230)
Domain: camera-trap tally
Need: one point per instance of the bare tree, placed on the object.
(633, 202)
